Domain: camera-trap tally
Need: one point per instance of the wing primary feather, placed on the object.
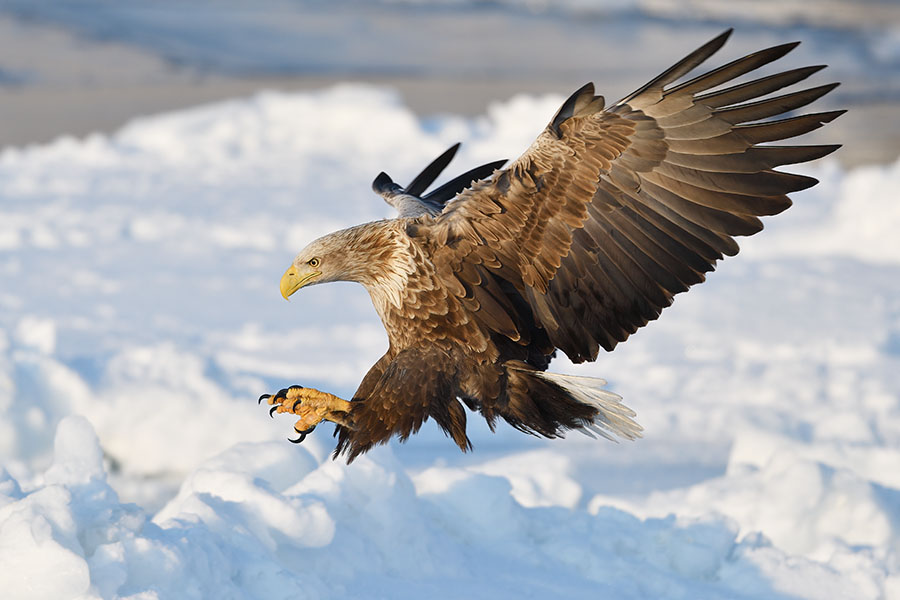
(732, 70)
(450, 189)
(712, 219)
(682, 67)
(774, 106)
(431, 172)
(756, 88)
(785, 128)
(763, 183)
(709, 244)
(752, 160)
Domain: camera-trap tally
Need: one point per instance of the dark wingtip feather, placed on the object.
(734, 69)
(757, 88)
(461, 182)
(801, 182)
(805, 183)
(783, 129)
(792, 155)
(789, 47)
(762, 109)
(383, 184)
(431, 172)
(567, 110)
(682, 67)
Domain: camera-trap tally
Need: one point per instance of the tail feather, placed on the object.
(548, 404)
(612, 417)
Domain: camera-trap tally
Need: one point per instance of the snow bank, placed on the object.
(140, 319)
(269, 521)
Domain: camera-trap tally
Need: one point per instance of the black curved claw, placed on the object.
(303, 435)
(282, 393)
(263, 397)
(272, 410)
(296, 404)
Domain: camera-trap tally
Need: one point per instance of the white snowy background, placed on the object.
(140, 319)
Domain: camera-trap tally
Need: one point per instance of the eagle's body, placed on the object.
(578, 243)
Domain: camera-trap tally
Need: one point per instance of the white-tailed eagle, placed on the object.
(575, 245)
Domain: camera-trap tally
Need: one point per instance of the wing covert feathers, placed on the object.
(612, 211)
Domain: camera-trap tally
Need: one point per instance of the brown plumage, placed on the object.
(582, 240)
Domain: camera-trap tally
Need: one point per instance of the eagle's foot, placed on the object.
(311, 405)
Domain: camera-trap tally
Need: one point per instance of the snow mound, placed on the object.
(266, 520)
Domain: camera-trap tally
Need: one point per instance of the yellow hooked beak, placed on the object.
(292, 281)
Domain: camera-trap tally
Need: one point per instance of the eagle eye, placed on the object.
(313, 262)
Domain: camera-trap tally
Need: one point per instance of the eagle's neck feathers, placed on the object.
(379, 256)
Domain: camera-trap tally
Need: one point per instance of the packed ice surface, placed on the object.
(140, 318)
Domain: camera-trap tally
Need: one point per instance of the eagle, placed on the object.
(583, 239)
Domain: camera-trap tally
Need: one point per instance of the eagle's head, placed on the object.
(365, 254)
(321, 261)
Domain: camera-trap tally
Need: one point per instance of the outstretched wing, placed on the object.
(610, 213)
(412, 202)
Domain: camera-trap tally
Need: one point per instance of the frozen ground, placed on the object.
(140, 318)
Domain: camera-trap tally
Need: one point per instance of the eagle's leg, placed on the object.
(312, 406)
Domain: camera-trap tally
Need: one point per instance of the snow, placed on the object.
(140, 318)
(265, 520)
